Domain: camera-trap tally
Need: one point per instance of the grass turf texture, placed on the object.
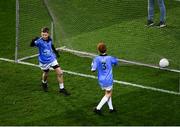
(24, 103)
(7, 23)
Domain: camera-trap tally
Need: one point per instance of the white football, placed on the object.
(164, 62)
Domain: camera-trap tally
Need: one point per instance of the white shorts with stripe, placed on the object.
(47, 66)
(109, 88)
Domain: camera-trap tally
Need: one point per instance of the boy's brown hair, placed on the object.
(101, 47)
(45, 30)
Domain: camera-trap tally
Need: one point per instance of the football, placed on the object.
(163, 63)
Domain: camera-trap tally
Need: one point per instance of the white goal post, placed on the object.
(17, 31)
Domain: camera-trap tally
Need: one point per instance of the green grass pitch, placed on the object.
(80, 24)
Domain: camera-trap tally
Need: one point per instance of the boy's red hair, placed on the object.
(101, 47)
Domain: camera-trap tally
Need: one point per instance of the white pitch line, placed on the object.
(28, 57)
(7, 60)
(94, 77)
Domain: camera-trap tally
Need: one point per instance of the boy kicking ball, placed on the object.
(47, 59)
(103, 64)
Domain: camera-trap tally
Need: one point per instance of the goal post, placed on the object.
(17, 31)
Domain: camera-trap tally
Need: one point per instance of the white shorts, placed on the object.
(109, 88)
(47, 66)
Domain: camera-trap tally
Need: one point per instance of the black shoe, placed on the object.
(64, 91)
(45, 87)
(149, 23)
(112, 110)
(161, 24)
(97, 111)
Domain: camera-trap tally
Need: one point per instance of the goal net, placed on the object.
(31, 16)
(80, 25)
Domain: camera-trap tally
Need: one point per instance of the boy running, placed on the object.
(47, 59)
(103, 64)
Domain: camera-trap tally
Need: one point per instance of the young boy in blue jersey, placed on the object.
(103, 64)
(47, 59)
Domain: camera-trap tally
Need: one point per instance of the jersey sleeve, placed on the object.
(37, 42)
(114, 61)
(94, 65)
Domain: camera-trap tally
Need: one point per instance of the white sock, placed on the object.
(61, 85)
(44, 81)
(102, 102)
(110, 103)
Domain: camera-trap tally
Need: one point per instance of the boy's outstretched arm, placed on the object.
(32, 44)
(55, 51)
(93, 66)
(115, 61)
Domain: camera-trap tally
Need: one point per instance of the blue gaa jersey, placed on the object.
(46, 54)
(103, 64)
